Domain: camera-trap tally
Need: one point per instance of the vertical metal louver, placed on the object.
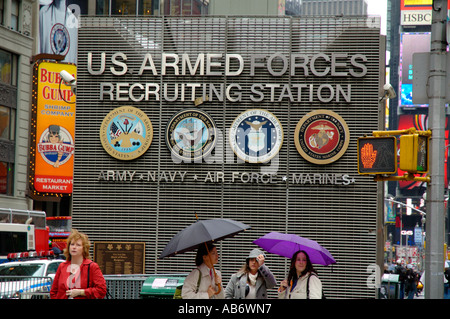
(340, 217)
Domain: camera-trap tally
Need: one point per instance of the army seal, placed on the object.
(126, 133)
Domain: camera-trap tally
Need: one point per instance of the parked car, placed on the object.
(20, 279)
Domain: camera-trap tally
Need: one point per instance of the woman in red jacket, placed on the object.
(78, 277)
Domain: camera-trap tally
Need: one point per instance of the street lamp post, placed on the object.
(434, 255)
(390, 249)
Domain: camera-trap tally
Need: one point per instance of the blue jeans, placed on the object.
(402, 290)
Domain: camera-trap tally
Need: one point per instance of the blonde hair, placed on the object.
(75, 236)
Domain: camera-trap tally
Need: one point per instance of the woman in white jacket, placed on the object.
(296, 285)
(253, 280)
(204, 282)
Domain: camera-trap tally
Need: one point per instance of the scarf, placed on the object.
(252, 278)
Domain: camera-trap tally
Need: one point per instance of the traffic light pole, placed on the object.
(435, 220)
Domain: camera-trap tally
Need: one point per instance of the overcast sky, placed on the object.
(378, 7)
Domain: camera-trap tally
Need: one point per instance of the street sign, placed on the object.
(377, 155)
(418, 235)
(414, 153)
(421, 78)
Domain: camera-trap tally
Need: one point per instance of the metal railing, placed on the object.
(25, 287)
(124, 286)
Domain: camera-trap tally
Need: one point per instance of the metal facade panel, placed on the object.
(152, 210)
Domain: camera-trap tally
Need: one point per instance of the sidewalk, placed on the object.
(421, 296)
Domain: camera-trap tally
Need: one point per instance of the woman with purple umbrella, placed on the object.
(303, 281)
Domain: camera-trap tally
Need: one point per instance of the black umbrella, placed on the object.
(202, 231)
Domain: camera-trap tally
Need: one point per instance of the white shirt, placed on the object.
(299, 291)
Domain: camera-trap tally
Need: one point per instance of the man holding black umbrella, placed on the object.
(204, 282)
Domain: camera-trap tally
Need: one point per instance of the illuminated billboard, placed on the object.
(410, 43)
(416, 12)
(58, 27)
(53, 130)
(420, 123)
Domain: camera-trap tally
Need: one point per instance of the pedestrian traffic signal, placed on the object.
(414, 153)
(377, 155)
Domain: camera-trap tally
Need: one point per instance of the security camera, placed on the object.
(67, 78)
(389, 91)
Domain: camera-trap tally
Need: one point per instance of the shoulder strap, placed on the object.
(307, 287)
(89, 267)
(307, 284)
(199, 279)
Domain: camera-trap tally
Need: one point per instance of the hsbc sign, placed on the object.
(416, 17)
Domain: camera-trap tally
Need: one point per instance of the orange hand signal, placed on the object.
(368, 155)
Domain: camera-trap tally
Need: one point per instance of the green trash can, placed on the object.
(162, 286)
(390, 287)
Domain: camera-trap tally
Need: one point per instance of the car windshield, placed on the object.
(22, 270)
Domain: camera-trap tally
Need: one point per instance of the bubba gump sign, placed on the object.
(54, 118)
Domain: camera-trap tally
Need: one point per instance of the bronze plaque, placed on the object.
(116, 258)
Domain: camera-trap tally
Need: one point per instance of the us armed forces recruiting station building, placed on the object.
(253, 119)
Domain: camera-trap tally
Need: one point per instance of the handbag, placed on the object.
(177, 294)
(108, 294)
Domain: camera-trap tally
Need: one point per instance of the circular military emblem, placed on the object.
(59, 39)
(256, 136)
(321, 137)
(56, 145)
(126, 133)
(191, 135)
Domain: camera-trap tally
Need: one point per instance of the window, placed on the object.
(8, 96)
(23, 270)
(123, 7)
(52, 268)
(6, 178)
(102, 7)
(1, 11)
(15, 15)
(7, 122)
(152, 7)
(5, 67)
(172, 7)
(146, 7)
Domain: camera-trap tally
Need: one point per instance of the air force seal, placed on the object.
(256, 136)
(191, 135)
(321, 137)
(126, 133)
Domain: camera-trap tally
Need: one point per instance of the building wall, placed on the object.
(20, 43)
(249, 7)
(334, 7)
(338, 211)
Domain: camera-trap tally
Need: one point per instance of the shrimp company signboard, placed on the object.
(231, 114)
(53, 130)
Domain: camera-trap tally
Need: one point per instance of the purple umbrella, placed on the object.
(287, 244)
